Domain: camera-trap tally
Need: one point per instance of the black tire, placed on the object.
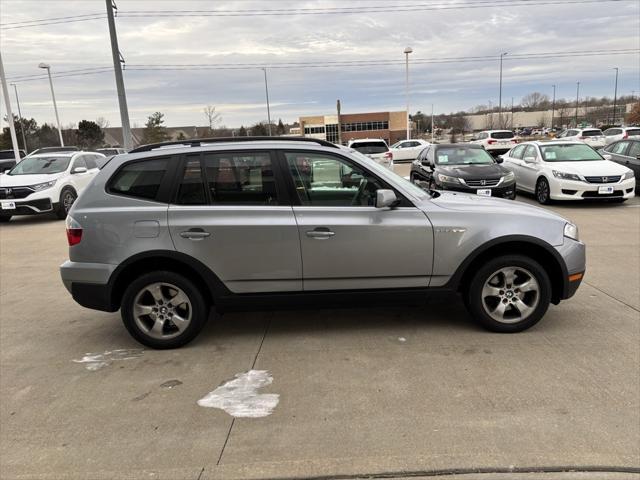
(543, 191)
(67, 196)
(5, 218)
(479, 305)
(198, 308)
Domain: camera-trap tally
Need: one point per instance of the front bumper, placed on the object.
(574, 190)
(573, 254)
(44, 201)
(500, 191)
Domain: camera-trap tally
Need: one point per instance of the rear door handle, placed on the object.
(194, 234)
(320, 233)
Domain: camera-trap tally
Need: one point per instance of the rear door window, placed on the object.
(634, 150)
(91, 162)
(619, 148)
(191, 190)
(369, 148)
(139, 179)
(633, 132)
(502, 135)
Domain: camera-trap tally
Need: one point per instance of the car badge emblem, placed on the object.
(483, 182)
(605, 179)
(8, 191)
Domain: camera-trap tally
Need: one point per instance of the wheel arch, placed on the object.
(534, 248)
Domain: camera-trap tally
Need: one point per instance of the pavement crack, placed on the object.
(200, 474)
(612, 297)
(255, 359)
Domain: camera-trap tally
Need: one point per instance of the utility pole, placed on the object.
(117, 69)
(12, 128)
(432, 123)
(24, 139)
(266, 89)
(500, 99)
(553, 105)
(339, 126)
(47, 67)
(615, 96)
(511, 113)
(407, 51)
(577, 96)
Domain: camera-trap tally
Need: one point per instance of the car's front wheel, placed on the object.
(67, 197)
(163, 309)
(509, 294)
(543, 191)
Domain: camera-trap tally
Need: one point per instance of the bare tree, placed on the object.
(102, 122)
(212, 116)
(534, 100)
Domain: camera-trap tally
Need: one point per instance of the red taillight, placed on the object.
(625, 136)
(582, 138)
(491, 142)
(388, 155)
(74, 231)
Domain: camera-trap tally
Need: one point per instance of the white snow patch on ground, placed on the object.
(240, 398)
(96, 361)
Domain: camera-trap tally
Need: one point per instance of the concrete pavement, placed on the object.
(379, 392)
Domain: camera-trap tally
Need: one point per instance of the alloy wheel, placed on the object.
(510, 295)
(543, 191)
(162, 310)
(67, 201)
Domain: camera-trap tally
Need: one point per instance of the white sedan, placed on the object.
(591, 136)
(407, 150)
(566, 170)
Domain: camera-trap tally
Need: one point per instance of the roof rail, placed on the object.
(197, 142)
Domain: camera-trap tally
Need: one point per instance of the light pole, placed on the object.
(432, 140)
(266, 89)
(615, 96)
(47, 67)
(500, 99)
(407, 51)
(7, 102)
(553, 106)
(577, 96)
(24, 139)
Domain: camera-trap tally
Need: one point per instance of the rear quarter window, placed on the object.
(139, 179)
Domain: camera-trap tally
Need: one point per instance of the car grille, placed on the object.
(14, 192)
(487, 182)
(616, 193)
(613, 179)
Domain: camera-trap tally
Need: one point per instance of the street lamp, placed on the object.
(577, 97)
(407, 51)
(500, 99)
(266, 89)
(553, 105)
(47, 67)
(24, 139)
(615, 96)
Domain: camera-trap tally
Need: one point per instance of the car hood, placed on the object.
(473, 171)
(590, 168)
(25, 180)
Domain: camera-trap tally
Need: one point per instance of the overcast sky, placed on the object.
(239, 94)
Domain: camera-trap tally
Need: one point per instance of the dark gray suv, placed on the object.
(168, 231)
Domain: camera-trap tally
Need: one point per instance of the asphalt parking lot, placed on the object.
(394, 392)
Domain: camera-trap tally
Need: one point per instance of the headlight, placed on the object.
(566, 176)
(43, 186)
(508, 177)
(448, 179)
(571, 231)
(628, 175)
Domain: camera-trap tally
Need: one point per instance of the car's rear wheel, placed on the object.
(509, 294)
(163, 310)
(543, 191)
(67, 197)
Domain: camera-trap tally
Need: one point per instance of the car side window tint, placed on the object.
(240, 178)
(330, 181)
(139, 179)
(191, 190)
(618, 147)
(634, 150)
(518, 151)
(530, 152)
(91, 162)
(79, 162)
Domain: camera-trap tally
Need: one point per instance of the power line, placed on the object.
(53, 19)
(55, 22)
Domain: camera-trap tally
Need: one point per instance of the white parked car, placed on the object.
(568, 170)
(621, 133)
(591, 136)
(46, 183)
(495, 142)
(374, 148)
(407, 150)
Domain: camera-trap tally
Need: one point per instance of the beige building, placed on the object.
(389, 126)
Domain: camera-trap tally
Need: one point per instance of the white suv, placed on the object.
(408, 150)
(495, 142)
(374, 148)
(46, 183)
(621, 133)
(591, 136)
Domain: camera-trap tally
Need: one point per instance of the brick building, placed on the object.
(389, 126)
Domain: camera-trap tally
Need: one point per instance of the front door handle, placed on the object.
(320, 233)
(194, 234)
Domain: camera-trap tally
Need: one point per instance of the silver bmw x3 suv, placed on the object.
(169, 231)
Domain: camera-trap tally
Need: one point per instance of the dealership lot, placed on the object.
(392, 391)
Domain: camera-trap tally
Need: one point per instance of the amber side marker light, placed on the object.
(575, 277)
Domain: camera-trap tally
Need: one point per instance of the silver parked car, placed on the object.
(166, 232)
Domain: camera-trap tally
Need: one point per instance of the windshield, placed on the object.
(569, 153)
(632, 132)
(592, 133)
(502, 135)
(370, 147)
(41, 165)
(462, 156)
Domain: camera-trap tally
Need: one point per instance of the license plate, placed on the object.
(7, 205)
(605, 190)
(486, 192)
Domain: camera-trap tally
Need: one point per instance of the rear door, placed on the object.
(346, 242)
(230, 212)
(632, 159)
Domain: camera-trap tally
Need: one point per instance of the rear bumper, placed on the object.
(88, 284)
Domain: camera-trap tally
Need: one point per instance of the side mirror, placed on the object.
(386, 198)
(79, 170)
(499, 159)
(607, 156)
(529, 159)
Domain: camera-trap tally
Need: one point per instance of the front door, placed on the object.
(348, 243)
(529, 169)
(228, 213)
